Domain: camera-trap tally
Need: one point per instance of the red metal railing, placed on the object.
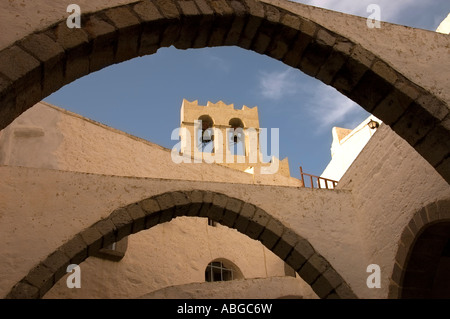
(318, 179)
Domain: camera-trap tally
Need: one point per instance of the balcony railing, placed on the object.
(321, 182)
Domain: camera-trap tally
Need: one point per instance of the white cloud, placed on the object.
(330, 108)
(390, 10)
(215, 62)
(277, 84)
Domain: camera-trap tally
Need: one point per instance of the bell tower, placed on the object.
(222, 134)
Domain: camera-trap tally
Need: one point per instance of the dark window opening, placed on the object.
(211, 222)
(216, 271)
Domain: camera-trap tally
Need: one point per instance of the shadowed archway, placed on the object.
(423, 257)
(231, 212)
(41, 63)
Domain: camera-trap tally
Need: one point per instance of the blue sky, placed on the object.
(143, 96)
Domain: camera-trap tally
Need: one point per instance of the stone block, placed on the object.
(23, 290)
(317, 52)
(29, 95)
(42, 278)
(108, 230)
(152, 220)
(432, 212)
(257, 224)
(385, 71)
(286, 243)
(423, 215)
(443, 169)
(147, 11)
(435, 146)
(123, 223)
(188, 8)
(167, 205)
(75, 249)
(70, 39)
(444, 208)
(407, 237)
(104, 38)
(414, 124)
(313, 268)
(418, 221)
(150, 206)
(413, 226)
(196, 198)
(256, 16)
(168, 8)
(273, 15)
(271, 233)
(392, 107)
(359, 62)
(239, 22)
(294, 55)
(327, 282)
(170, 34)
(57, 262)
(298, 256)
(8, 110)
(402, 254)
(243, 220)
(397, 274)
(19, 66)
(364, 93)
(432, 105)
(339, 54)
(50, 53)
(137, 214)
(76, 44)
(129, 32)
(207, 198)
(229, 217)
(93, 239)
(395, 291)
(232, 210)
(217, 208)
(182, 203)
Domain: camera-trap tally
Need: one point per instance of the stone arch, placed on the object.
(424, 222)
(231, 212)
(39, 64)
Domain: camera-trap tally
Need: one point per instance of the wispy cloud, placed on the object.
(330, 108)
(218, 63)
(390, 10)
(278, 84)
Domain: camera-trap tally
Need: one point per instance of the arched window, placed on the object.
(222, 270)
(236, 138)
(206, 134)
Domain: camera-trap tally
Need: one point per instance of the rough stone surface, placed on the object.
(93, 239)
(42, 278)
(123, 223)
(137, 214)
(313, 268)
(108, 231)
(57, 262)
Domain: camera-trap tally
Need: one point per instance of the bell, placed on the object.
(206, 136)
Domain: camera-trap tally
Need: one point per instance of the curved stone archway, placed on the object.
(420, 247)
(231, 212)
(39, 64)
